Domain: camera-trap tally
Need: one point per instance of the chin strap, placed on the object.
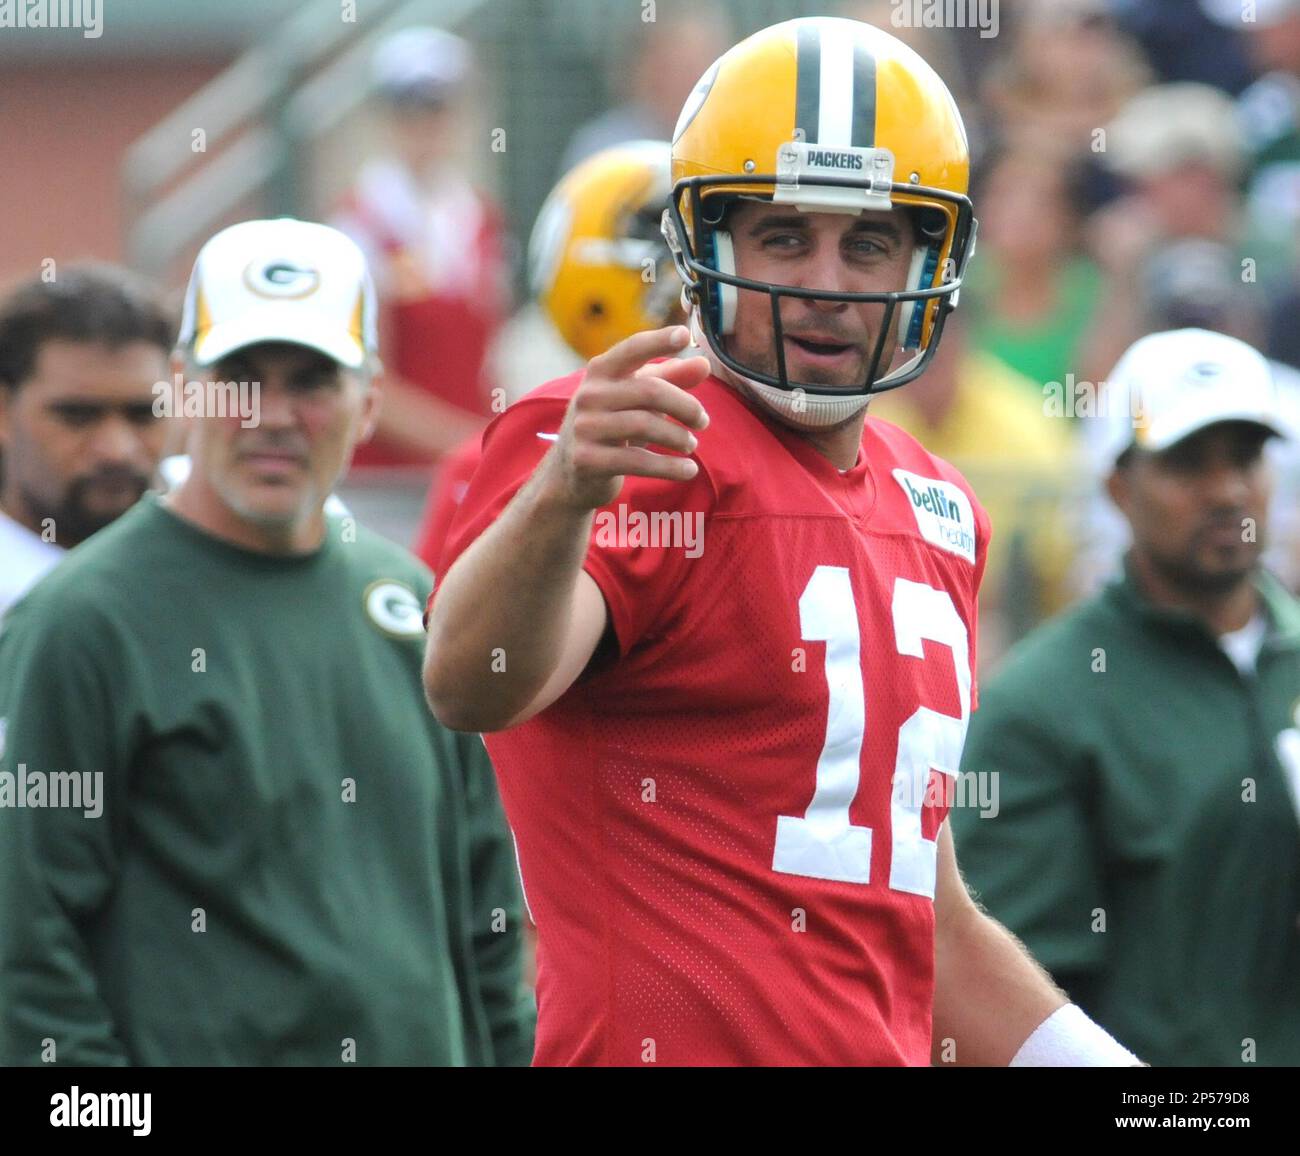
(793, 408)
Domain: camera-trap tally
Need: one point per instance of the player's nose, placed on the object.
(824, 270)
(276, 408)
(1227, 483)
(115, 442)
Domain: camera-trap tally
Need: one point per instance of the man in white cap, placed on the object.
(1147, 845)
(230, 833)
(1195, 284)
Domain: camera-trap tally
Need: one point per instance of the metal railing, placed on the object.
(257, 118)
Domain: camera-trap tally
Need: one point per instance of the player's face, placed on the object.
(311, 413)
(80, 437)
(825, 342)
(1198, 509)
(423, 134)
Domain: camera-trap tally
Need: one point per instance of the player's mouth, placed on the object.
(114, 487)
(821, 350)
(1221, 534)
(271, 462)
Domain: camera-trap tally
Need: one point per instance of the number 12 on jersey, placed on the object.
(821, 842)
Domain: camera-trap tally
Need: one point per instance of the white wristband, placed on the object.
(1069, 1039)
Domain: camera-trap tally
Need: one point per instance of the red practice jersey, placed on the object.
(726, 833)
(450, 484)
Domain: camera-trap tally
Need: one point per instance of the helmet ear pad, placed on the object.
(911, 314)
(717, 251)
(722, 298)
(930, 229)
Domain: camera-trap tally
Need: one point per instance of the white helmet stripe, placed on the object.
(836, 96)
(835, 88)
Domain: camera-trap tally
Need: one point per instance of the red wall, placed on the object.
(63, 131)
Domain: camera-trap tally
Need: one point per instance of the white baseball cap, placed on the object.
(421, 65)
(280, 280)
(1168, 386)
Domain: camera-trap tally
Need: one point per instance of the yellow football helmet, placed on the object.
(598, 263)
(824, 114)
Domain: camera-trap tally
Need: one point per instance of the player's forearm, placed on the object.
(989, 994)
(417, 422)
(501, 617)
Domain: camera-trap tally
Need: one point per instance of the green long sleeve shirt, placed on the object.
(1146, 845)
(292, 863)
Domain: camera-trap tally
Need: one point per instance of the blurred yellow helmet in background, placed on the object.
(823, 114)
(598, 264)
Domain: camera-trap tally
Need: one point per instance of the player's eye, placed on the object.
(141, 413)
(315, 381)
(77, 416)
(863, 246)
(782, 241)
(233, 370)
(1247, 455)
(1184, 460)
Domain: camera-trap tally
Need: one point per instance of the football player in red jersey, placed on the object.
(719, 624)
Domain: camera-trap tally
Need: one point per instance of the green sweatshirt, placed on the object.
(292, 862)
(1146, 845)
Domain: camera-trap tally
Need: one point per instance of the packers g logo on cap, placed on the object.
(281, 278)
(1204, 372)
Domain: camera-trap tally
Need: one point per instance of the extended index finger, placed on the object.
(625, 358)
(657, 395)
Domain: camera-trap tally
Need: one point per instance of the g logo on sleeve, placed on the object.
(393, 607)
